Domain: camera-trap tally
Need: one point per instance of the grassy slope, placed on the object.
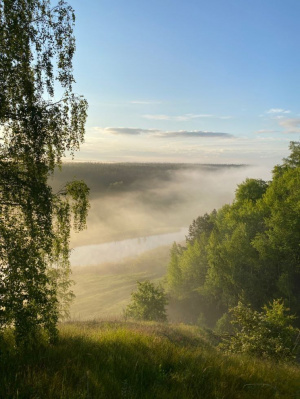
(103, 296)
(104, 291)
(140, 360)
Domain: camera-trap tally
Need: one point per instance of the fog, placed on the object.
(137, 211)
(90, 255)
(158, 205)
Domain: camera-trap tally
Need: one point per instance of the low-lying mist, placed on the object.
(116, 251)
(130, 201)
(150, 199)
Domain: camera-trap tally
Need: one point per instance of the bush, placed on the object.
(223, 325)
(147, 303)
(268, 334)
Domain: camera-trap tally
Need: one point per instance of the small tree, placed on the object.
(147, 303)
(268, 334)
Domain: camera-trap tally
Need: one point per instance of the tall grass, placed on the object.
(138, 360)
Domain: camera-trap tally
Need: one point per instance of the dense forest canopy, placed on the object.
(247, 251)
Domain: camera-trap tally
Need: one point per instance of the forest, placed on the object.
(247, 251)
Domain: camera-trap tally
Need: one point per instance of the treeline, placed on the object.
(104, 178)
(246, 252)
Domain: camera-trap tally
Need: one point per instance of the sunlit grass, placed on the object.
(104, 291)
(140, 360)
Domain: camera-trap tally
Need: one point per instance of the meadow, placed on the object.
(112, 360)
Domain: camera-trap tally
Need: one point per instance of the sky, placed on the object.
(188, 81)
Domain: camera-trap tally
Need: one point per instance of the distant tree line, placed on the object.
(109, 178)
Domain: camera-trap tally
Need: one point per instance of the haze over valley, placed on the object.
(137, 212)
(132, 200)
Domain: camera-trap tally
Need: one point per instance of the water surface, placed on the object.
(118, 250)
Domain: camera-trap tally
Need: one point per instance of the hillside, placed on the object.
(139, 360)
(104, 291)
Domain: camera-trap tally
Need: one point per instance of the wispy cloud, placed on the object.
(278, 111)
(183, 118)
(279, 117)
(157, 117)
(290, 125)
(263, 131)
(161, 133)
(125, 130)
(144, 102)
(194, 133)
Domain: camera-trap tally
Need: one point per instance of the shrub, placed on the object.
(148, 302)
(268, 334)
(223, 325)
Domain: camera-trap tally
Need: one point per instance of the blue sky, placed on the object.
(189, 81)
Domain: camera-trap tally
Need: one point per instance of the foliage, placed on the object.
(223, 325)
(36, 129)
(251, 190)
(174, 270)
(267, 334)
(202, 225)
(247, 251)
(147, 303)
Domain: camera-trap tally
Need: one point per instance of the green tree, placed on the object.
(248, 250)
(278, 244)
(36, 130)
(202, 225)
(148, 302)
(251, 190)
(174, 274)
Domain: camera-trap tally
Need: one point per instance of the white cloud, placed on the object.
(124, 130)
(262, 131)
(278, 111)
(160, 133)
(153, 145)
(183, 118)
(278, 117)
(194, 133)
(290, 125)
(157, 117)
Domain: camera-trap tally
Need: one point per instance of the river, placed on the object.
(89, 255)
